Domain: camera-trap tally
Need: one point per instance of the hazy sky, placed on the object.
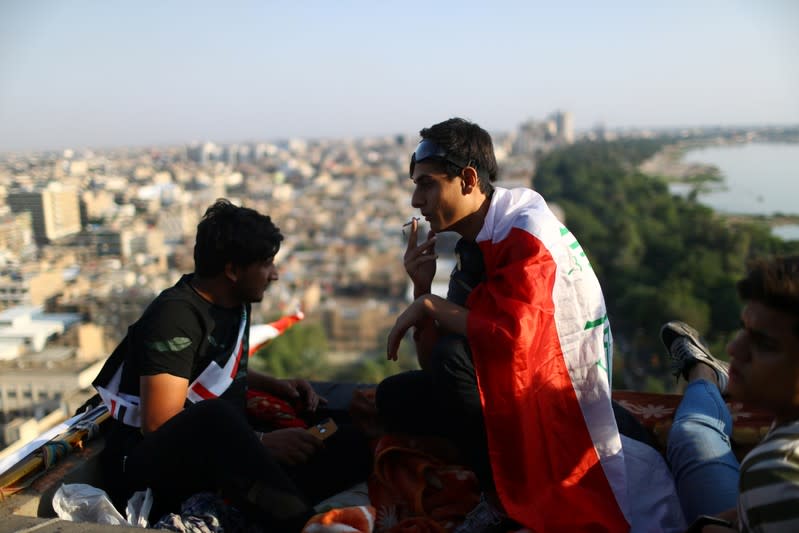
(102, 73)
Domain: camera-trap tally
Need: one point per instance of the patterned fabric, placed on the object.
(541, 346)
(417, 486)
(206, 513)
(656, 411)
(769, 488)
(270, 412)
(359, 519)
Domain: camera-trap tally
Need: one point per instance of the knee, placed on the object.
(381, 392)
(696, 440)
(697, 429)
(391, 391)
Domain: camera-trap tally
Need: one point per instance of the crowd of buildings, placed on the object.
(89, 237)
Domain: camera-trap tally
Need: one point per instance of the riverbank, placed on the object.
(742, 181)
(670, 165)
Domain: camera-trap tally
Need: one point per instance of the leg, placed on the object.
(210, 446)
(443, 401)
(406, 403)
(698, 450)
(456, 382)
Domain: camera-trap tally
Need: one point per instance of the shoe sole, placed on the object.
(671, 331)
(676, 329)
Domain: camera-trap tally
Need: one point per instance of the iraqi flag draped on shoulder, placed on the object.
(541, 346)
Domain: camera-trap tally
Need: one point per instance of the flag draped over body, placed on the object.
(541, 347)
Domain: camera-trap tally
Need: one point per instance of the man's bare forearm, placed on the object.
(260, 381)
(452, 317)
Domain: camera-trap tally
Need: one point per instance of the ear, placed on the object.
(231, 272)
(469, 179)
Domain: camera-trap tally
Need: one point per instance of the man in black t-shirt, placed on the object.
(176, 389)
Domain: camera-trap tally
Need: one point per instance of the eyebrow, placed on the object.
(758, 334)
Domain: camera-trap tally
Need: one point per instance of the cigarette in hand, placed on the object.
(410, 222)
(406, 225)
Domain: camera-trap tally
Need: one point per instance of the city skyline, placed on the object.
(93, 74)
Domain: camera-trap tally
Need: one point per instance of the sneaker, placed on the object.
(484, 518)
(685, 349)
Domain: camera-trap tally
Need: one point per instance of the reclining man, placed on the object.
(176, 387)
(515, 362)
(762, 493)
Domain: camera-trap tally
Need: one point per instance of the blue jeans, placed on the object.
(704, 467)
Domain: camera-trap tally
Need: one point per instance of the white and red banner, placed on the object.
(541, 347)
(261, 334)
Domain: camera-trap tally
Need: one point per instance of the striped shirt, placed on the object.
(769, 486)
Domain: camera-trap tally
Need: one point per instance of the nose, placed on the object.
(417, 199)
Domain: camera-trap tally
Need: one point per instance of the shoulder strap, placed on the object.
(212, 382)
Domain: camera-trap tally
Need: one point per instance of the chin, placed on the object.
(738, 393)
(252, 298)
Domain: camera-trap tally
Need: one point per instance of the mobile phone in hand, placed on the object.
(324, 429)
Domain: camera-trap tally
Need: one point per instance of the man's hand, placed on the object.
(420, 260)
(294, 389)
(415, 313)
(451, 317)
(291, 446)
(363, 411)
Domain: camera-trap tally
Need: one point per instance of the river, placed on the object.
(759, 178)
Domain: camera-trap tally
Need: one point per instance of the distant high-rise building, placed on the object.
(533, 135)
(565, 125)
(203, 153)
(16, 233)
(55, 211)
(230, 154)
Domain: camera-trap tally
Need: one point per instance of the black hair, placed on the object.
(773, 282)
(231, 234)
(465, 141)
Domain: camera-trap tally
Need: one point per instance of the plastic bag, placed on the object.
(138, 508)
(78, 502)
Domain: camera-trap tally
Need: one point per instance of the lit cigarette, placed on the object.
(409, 222)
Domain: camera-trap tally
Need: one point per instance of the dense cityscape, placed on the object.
(89, 237)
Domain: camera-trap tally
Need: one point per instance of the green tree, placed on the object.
(298, 352)
(659, 257)
(373, 367)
